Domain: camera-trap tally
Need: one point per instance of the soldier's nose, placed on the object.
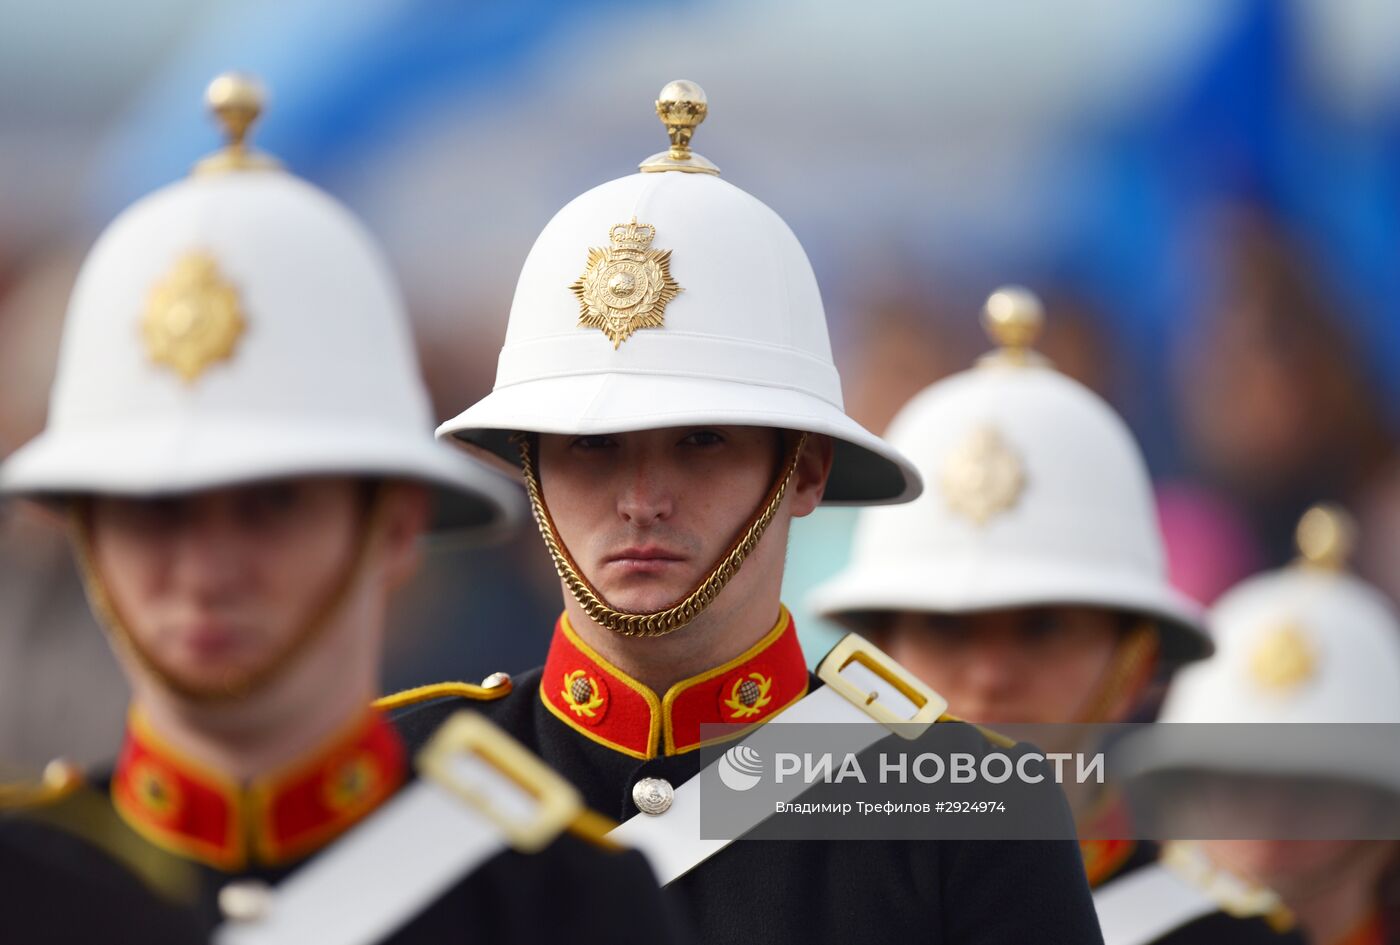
(645, 500)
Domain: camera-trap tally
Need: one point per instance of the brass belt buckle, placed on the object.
(854, 648)
(554, 802)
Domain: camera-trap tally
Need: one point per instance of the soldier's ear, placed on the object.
(406, 510)
(810, 476)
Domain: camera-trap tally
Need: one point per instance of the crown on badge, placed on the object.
(634, 236)
(626, 285)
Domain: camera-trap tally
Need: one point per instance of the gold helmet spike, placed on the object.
(681, 106)
(236, 101)
(1013, 318)
(1326, 536)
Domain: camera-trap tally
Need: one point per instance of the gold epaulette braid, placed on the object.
(419, 694)
(678, 615)
(60, 779)
(991, 735)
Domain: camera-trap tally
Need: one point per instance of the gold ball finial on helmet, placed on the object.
(236, 100)
(1326, 536)
(1013, 318)
(681, 106)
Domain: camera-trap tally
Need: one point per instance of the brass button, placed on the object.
(61, 774)
(653, 795)
(246, 900)
(495, 681)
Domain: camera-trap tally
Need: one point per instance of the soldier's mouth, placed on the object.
(210, 641)
(646, 559)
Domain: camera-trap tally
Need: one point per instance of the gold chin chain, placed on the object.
(666, 621)
(1137, 648)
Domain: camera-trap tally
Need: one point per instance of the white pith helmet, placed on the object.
(1037, 496)
(667, 298)
(1310, 643)
(235, 326)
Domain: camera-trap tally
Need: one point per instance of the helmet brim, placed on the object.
(162, 459)
(859, 597)
(865, 469)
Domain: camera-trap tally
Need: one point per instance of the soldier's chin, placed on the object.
(205, 683)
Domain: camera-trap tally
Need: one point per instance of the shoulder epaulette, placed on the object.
(495, 686)
(60, 779)
(84, 811)
(991, 735)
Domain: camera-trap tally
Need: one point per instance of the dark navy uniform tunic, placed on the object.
(605, 731)
(141, 855)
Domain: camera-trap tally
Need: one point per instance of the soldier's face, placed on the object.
(213, 586)
(1270, 809)
(1029, 665)
(647, 514)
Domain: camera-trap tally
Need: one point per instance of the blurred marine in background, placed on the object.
(1310, 644)
(666, 389)
(1027, 584)
(240, 438)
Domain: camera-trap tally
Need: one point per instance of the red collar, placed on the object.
(599, 701)
(182, 806)
(1109, 845)
(1104, 858)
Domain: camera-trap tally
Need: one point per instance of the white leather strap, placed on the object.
(480, 793)
(672, 841)
(376, 877)
(1146, 904)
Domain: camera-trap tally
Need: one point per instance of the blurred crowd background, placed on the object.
(1206, 194)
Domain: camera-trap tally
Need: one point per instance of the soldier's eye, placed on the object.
(268, 501)
(703, 438)
(1042, 625)
(152, 514)
(944, 630)
(597, 442)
